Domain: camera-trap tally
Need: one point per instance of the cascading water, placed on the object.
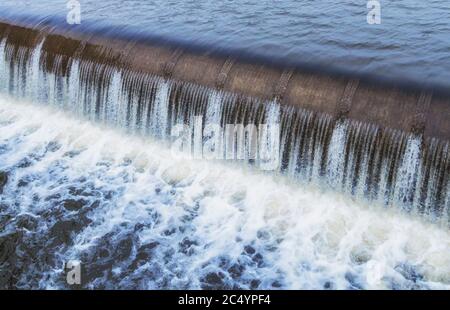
(353, 157)
(335, 156)
(357, 158)
(139, 219)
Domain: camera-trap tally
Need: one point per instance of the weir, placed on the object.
(377, 140)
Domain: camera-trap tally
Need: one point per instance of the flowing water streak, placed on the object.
(160, 115)
(214, 108)
(114, 101)
(336, 155)
(213, 125)
(409, 172)
(3, 65)
(270, 148)
(359, 159)
(73, 86)
(34, 71)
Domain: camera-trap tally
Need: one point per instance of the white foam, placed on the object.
(306, 237)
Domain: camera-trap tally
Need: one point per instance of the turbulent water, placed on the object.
(138, 218)
(410, 43)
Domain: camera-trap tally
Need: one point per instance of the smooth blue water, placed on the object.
(412, 41)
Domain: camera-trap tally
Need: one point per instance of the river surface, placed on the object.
(411, 43)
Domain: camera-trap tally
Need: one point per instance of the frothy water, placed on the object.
(137, 218)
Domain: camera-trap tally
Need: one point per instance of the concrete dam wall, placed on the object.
(383, 141)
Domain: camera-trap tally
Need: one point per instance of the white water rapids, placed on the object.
(146, 220)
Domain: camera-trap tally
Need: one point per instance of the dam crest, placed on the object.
(385, 143)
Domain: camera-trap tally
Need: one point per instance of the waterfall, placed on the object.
(270, 138)
(409, 172)
(385, 166)
(35, 71)
(114, 100)
(214, 108)
(3, 66)
(160, 117)
(336, 155)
